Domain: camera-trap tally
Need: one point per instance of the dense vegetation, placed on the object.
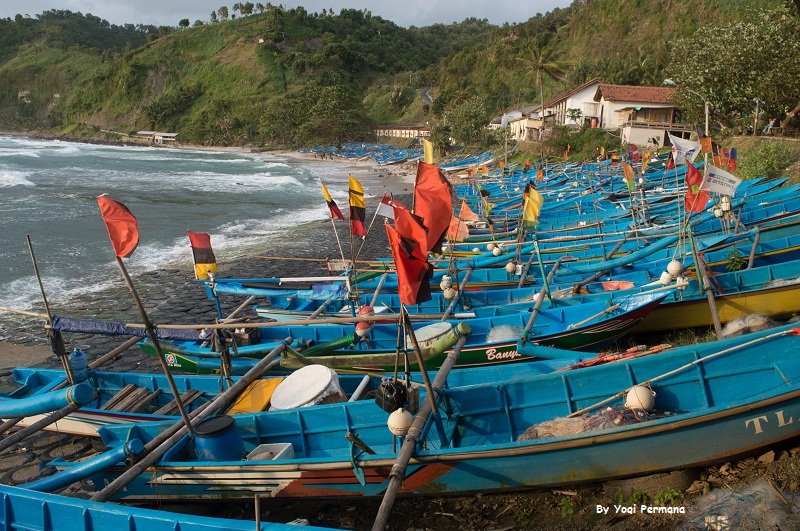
(266, 74)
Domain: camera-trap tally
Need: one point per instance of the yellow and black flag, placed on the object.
(531, 206)
(335, 212)
(204, 260)
(358, 208)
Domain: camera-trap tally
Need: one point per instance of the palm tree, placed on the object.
(544, 62)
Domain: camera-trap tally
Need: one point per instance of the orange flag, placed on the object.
(466, 213)
(121, 226)
(457, 231)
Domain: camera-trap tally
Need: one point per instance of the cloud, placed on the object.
(405, 13)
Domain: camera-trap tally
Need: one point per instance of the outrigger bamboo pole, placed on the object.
(56, 341)
(410, 443)
(14, 438)
(154, 449)
(151, 333)
(539, 301)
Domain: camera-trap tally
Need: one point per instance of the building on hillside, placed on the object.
(642, 114)
(523, 122)
(403, 131)
(157, 137)
(580, 98)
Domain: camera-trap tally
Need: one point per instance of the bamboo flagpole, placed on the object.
(124, 235)
(56, 341)
(335, 214)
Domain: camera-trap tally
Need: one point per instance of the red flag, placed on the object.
(696, 198)
(121, 226)
(413, 270)
(410, 226)
(433, 202)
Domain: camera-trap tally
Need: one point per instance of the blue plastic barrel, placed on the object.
(79, 365)
(216, 439)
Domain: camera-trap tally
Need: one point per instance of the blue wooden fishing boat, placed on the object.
(492, 337)
(713, 402)
(22, 509)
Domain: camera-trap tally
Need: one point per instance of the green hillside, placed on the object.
(289, 77)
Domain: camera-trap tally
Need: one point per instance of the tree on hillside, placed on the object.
(213, 17)
(184, 23)
(731, 66)
(467, 120)
(246, 8)
(223, 12)
(544, 62)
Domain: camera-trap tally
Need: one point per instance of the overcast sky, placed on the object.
(403, 12)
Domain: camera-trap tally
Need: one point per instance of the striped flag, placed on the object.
(358, 208)
(334, 209)
(204, 260)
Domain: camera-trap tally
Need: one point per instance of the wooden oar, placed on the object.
(410, 443)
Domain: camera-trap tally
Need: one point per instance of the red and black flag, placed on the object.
(433, 202)
(335, 212)
(407, 242)
(204, 260)
(121, 226)
(358, 208)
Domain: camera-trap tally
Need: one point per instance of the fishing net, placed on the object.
(607, 418)
(760, 506)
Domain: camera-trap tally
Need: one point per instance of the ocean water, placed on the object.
(248, 202)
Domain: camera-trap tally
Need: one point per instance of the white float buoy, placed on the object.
(497, 251)
(675, 268)
(449, 293)
(640, 397)
(490, 246)
(446, 282)
(399, 422)
(511, 267)
(665, 278)
(718, 213)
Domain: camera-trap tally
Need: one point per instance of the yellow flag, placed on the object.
(533, 205)
(427, 149)
(646, 159)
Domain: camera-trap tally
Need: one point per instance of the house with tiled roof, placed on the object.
(523, 122)
(580, 98)
(643, 114)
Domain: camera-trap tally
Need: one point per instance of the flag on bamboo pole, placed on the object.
(566, 153)
(540, 174)
(120, 224)
(646, 159)
(732, 156)
(720, 181)
(358, 208)
(684, 149)
(407, 240)
(532, 204)
(427, 150)
(334, 209)
(466, 213)
(203, 255)
(696, 197)
(457, 231)
(630, 177)
(385, 208)
(705, 144)
(433, 202)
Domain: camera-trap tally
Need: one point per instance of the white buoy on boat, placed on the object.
(399, 422)
(497, 251)
(449, 293)
(725, 203)
(665, 278)
(446, 282)
(511, 266)
(640, 397)
(490, 246)
(476, 249)
(675, 268)
(718, 213)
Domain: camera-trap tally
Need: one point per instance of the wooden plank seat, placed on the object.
(187, 398)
